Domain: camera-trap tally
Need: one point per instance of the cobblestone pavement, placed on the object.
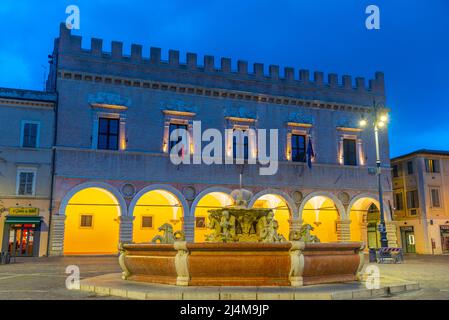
(45, 278)
(432, 273)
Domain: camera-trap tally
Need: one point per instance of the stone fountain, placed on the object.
(244, 248)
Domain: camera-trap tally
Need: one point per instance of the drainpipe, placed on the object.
(53, 160)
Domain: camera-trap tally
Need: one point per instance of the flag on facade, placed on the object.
(310, 153)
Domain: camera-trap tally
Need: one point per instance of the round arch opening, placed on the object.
(92, 224)
(322, 214)
(282, 212)
(154, 209)
(365, 217)
(210, 201)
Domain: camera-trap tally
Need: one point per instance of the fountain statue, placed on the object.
(242, 224)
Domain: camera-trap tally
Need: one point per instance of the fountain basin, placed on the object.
(242, 264)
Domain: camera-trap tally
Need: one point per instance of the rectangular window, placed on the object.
(398, 201)
(412, 199)
(349, 152)
(435, 197)
(86, 221)
(410, 167)
(172, 144)
(147, 222)
(298, 148)
(30, 133)
(239, 143)
(26, 183)
(108, 134)
(432, 166)
(395, 171)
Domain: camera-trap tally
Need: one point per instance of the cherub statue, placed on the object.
(214, 224)
(227, 224)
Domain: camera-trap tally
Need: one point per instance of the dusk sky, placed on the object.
(411, 48)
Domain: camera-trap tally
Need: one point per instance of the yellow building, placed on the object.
(421, 200)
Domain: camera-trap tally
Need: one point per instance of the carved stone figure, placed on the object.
(168, 235)
(306, 236)
(227, 224)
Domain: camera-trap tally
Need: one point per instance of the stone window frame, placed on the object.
(24, 169)
(233, 123)
(293, 128)
(177, 117)
(121, 116)
(351, 134)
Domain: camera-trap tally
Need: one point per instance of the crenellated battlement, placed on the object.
(289, 81)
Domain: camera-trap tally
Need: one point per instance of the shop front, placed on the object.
(21, 234)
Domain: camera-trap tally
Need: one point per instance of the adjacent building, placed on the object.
(26, 140)
(114, 180)
(421, 193)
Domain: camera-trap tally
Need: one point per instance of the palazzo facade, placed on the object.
(114, 180)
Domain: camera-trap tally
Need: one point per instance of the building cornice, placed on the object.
(218, 93)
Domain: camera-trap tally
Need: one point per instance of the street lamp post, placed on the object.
(380, 120)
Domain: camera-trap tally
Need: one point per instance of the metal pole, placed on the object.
(382, 228)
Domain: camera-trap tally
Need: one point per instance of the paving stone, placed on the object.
(397, 289)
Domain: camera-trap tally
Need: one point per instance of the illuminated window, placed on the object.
(147, 222)
(30, 134)
(432, 166)
(298, 148)
(349, 152)
(86, 221)
(108, 134)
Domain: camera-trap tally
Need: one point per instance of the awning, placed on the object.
(23, 220)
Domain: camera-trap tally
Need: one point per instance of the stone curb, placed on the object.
(139, 291)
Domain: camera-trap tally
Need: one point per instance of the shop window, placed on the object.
(86, 221)
(147, 222)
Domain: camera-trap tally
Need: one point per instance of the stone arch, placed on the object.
(205, 192)
(290, 203)
(100, 185)
(375, 198)
(164, 187)
(338, 204)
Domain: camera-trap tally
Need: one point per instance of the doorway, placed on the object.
(444, 232)
(408, 239)
(22, 239)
